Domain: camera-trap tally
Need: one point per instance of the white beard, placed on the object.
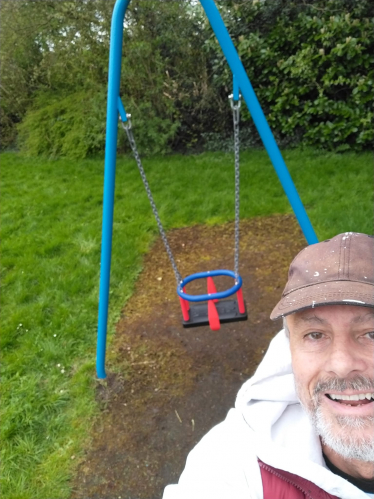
(340, 433)
(341, 440)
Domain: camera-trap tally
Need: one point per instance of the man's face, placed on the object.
(332, 350)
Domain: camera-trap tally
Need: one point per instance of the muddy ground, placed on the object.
(167, 386)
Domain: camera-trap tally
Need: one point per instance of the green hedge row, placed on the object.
(311, 65)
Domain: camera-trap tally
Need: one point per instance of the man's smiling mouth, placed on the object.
(355, 400)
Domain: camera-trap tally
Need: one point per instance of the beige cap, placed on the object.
(338, 271)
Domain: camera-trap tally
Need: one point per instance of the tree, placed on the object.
(49, 48)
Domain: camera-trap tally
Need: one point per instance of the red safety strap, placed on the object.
(213, 316)
(241, 306)
(184, 305)
(211, 287)
(185, 301)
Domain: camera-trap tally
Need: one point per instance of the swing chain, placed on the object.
(127, 126)
(235, 106)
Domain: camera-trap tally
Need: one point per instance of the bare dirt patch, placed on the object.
(167, 386)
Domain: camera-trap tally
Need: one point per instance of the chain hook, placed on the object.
(235, 105)
(127, 125)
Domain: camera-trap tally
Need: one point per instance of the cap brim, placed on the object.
(327, 293)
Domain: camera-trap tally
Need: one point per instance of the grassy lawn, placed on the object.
(51, 231)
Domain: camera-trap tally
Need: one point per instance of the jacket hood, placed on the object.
(270, 405)
(271, 389)
(283, 434)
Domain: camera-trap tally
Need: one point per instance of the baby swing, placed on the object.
(214, 311)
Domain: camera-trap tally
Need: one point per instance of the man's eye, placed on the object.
(371, 335)
(315, 336)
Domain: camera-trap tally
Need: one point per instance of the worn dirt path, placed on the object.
(167, 386)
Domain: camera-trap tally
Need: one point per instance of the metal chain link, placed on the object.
(235, 106)
(128, 129)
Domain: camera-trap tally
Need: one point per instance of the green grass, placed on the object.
(51, 231)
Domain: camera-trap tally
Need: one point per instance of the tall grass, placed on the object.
(51, 232)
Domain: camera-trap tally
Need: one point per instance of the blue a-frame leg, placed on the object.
(114, 106)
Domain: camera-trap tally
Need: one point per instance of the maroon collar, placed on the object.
(309, 489)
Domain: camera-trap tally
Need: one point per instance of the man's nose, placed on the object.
(345, 357)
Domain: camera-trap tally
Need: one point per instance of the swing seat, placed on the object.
(228, 311)
(214, 312)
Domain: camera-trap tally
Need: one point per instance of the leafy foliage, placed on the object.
(164, 78)
(72, 126)
(311, 65)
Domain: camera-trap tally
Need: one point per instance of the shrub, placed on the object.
(311, 66)
(72, 126)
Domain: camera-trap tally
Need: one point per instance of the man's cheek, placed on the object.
(302, 392)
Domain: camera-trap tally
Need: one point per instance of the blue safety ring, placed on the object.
(214, 296)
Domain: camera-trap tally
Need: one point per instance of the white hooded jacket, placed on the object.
(269, 423)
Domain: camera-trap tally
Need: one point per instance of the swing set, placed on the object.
(205, 309)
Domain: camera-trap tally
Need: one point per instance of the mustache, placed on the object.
(340, 384)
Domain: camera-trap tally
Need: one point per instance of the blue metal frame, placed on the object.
(235, 89)
(213, 296)
(114, 106)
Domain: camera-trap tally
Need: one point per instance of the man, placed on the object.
(303, 425)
